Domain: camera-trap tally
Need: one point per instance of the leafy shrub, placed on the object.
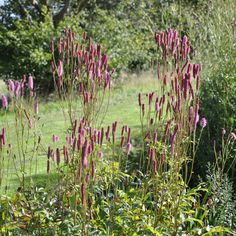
(218, 104)
(27, 47)
(222, 204)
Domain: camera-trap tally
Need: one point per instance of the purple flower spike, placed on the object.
(58, 159)
(203, 122)
(3, 136)
(173, 139)
(11, 85)
(129, 148)
(30, 83)
(17, 88)
(83, 194)
(55, 138)
(30, 123)
(60, 69)
(4, 102)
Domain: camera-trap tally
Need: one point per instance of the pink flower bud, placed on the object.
(151, 154)
(60, 69)
(203, 123)
(87, 179)
(162, 157)
(17, 88)
(30, 122)
(102, 135)
(198, 82)
(129, 148)
(100, 154)
(143, 109)
(58, 159)
(157, 107)
(196, 116)
(129, 135)
(123, 129)
(139, 99)
(85, 154)
(154, 163)
(11, 85)
(114, 127)
(1, 141)
(4, 102)
(108, 133)
(158, 72)
(49, 154)
(53, 66)
(83, 194)
(3, 136)
(30, 83)
(80, 142)
(55, 138)
(122, 141)
(66, 155)
(190, 113)
(173, 138)
(104, 60)
(154, 138)
(74, 145)
(99, 50)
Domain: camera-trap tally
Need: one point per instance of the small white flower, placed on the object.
(208, 228)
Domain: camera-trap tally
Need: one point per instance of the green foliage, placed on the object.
(221, 202)
(111, 195)
(26, 48)
(128, 48)
(218, 103)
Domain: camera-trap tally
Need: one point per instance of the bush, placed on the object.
(218, 103)
(221, 201)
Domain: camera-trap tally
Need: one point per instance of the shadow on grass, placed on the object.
(38, 180)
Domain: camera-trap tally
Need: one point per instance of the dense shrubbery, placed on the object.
(218, 105)
(126, 37)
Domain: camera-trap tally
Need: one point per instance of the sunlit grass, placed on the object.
(123, 107)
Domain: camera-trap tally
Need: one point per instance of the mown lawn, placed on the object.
(123, 107)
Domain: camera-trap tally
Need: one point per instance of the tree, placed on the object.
(26, 29)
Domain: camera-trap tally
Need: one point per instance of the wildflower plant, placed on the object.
(94, 191)
(24, 129)
(81, 75)
(171, 113)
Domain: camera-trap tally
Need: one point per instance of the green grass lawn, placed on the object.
(123, 107)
